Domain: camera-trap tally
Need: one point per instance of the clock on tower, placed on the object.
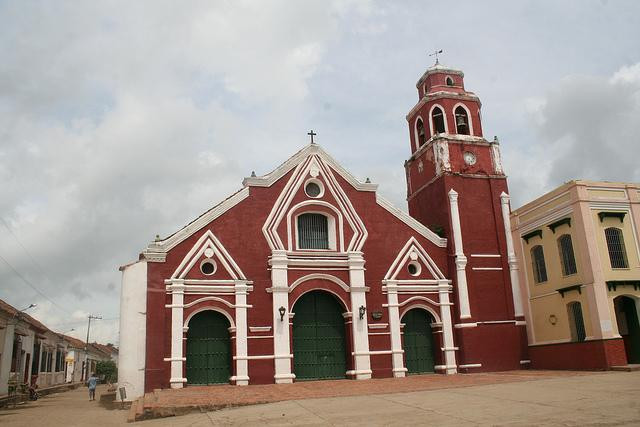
(456, 186)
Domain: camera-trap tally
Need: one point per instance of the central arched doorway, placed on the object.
(418, 341)
(628, 327)
(208, 349)
(319, 350)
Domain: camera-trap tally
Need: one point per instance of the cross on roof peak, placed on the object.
(312, 134)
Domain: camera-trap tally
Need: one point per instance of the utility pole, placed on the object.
(86, 347)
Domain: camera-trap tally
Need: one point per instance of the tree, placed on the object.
(108, 369)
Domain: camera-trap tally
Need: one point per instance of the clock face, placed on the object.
(469, 158)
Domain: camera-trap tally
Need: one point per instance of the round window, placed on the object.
(414, 268)
(208, 267)
(313, 189)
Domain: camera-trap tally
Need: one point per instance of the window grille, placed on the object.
(313, 231)
(567, 258)
(539, 268)
(576, 322)
(615, 244)
(438, 120)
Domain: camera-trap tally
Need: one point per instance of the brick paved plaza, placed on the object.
(522, 398)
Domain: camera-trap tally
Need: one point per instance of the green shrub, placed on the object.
(108, 369)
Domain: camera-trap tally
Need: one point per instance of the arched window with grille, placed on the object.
(313, 231)
(462, 121)
(567, 258)
(437, 118)
(615, 245)
(420, 132)
(576, 322)
(539, 268)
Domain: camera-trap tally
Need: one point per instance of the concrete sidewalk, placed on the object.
(166, 403)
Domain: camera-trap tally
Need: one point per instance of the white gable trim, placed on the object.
(412, 222)
(159, 248)
(269, 179)
(412, 245)
(208, 240)
(313, 165)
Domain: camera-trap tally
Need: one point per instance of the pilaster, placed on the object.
(242, 364)
(511, 256)
(397, 352)
(281, 334)
(449, 348)
(360, 330)
(461, 260)
(177, 319)
(601, 319)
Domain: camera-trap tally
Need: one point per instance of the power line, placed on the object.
(17, 273)
(23, 246)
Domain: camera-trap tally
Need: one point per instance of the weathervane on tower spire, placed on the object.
(436, 53)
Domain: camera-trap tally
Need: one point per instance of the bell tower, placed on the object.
(457, 187)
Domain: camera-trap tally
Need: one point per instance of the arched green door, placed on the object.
(318, 337)
(418, 341)
(208, 349)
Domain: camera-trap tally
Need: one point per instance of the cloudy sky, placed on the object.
(123, 120)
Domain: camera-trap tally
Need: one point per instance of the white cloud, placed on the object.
(123, 120)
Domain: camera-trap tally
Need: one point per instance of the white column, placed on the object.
(359, 327)
(461, 260)
(280, 294)
(511, 256)
(397, 352)
(449, 348)
(177, 320)
(7, 354)
(242, 364)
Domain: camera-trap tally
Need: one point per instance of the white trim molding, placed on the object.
(461, 260)
(511, 256)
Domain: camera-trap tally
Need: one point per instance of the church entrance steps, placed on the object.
(174, 402)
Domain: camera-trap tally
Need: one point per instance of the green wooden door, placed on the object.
(633, 327)
(318, 337)
(208, 349)
(418, 341)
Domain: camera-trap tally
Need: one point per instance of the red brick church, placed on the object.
(307, 273)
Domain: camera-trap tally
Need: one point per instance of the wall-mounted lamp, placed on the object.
(362, 310)
(553, 319)
(282, 311)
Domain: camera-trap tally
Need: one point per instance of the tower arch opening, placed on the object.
(438, 120)
(462, 121)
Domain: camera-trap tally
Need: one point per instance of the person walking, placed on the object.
(92, 383)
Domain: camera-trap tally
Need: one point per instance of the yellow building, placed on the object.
(578, 250)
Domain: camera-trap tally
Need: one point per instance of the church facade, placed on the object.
(308, 273)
